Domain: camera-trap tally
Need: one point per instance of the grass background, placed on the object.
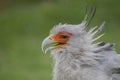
(24, 24)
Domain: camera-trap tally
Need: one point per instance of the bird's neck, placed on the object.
(67, 62)
(69, 54)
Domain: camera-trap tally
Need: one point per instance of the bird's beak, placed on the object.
(46, 45)
(52, 42)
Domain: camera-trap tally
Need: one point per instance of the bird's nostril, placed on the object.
(50, 38)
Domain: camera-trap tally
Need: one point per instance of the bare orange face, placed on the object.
(55, 41)
(61, 39)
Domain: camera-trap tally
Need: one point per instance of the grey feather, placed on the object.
(101, 44)
(89, 15)
(111, 61)
(116, 71)
(116, 77)
(102, 26)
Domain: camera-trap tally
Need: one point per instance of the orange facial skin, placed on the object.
(61, 38)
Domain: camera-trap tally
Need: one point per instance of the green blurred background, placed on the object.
(25, 23)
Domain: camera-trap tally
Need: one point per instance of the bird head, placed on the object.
(60, 37)
(64, 36)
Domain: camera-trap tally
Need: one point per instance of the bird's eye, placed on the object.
(64, 37)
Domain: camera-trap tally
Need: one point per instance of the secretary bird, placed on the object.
(78, 56)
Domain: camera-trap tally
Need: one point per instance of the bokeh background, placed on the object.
(25, 23)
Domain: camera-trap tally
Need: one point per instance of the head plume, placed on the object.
(90, 12)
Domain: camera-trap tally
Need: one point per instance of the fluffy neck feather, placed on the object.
(69, 64)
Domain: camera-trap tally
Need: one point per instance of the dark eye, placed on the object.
(64, 37)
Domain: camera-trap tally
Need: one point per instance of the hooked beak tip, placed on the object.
(45, 44)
